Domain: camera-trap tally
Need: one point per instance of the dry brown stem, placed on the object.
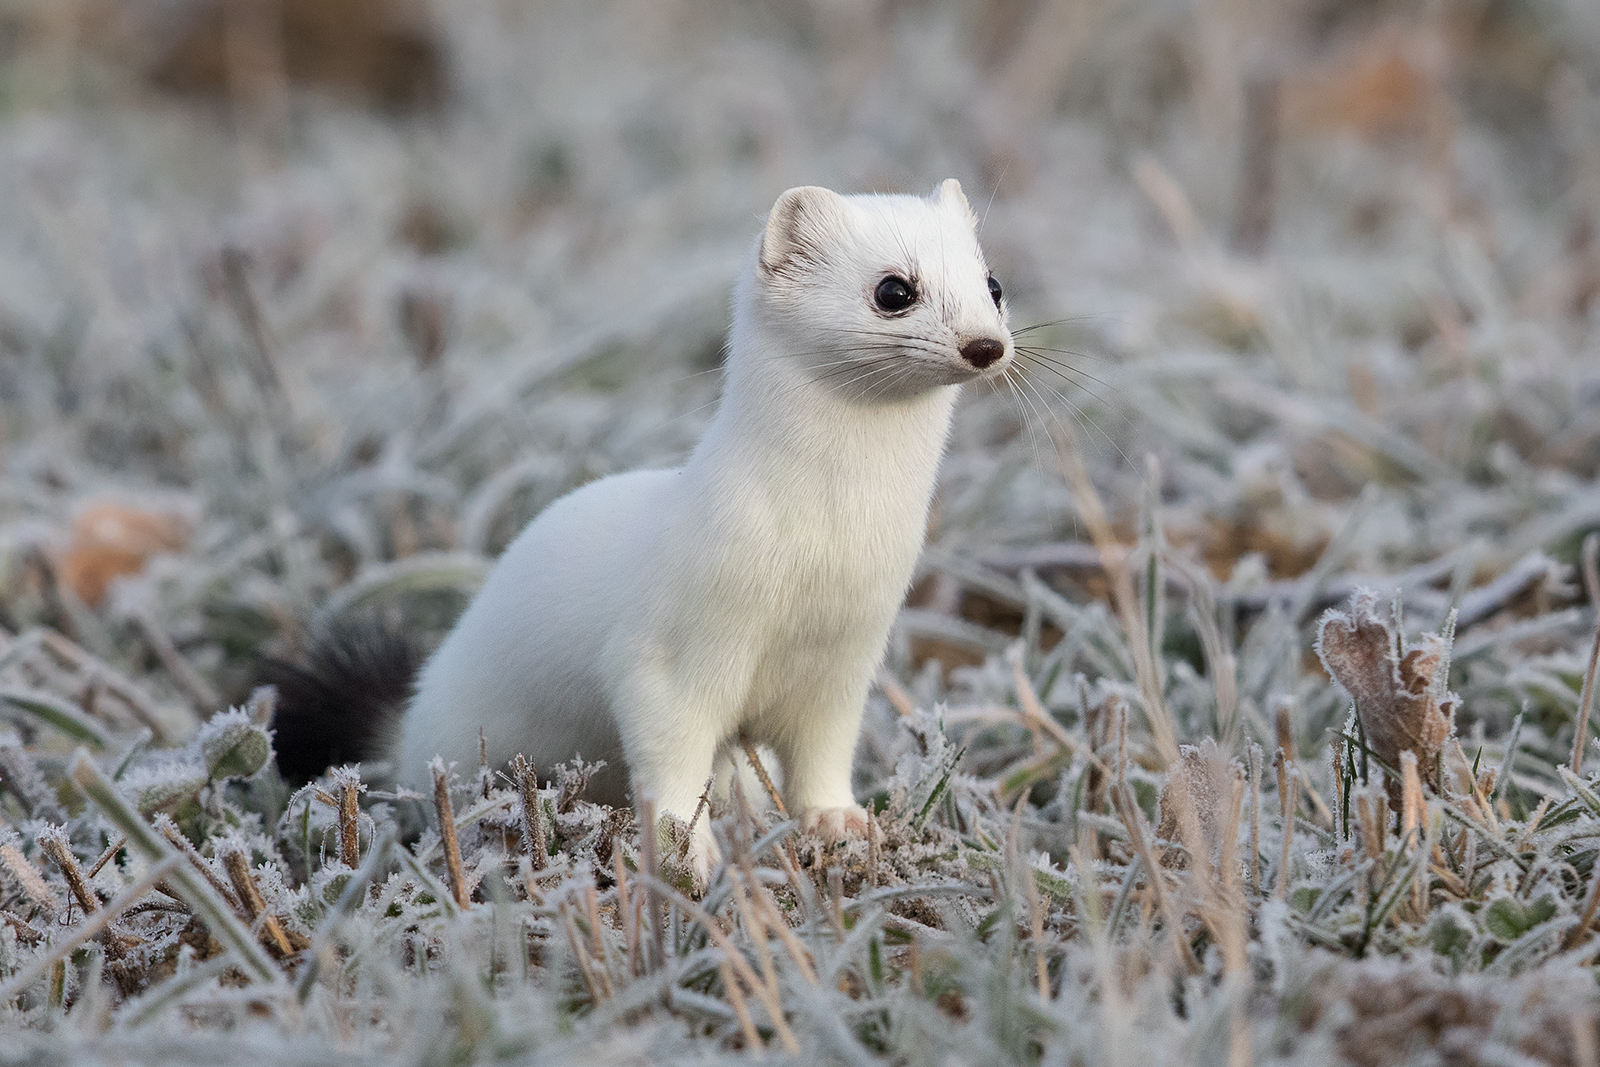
(593, 980)
(237, 865)
(1281, 888)
(447, 835)
(731, 955)
(169, 830)
(627, 914)
(202, 694)
(896, 694)
(1133, 819)
(105, 857)
(32, 882)
(756, 765)
(752, 1037)
(1591, 904)
(52, 842)
(349, 840)
(533, 841)
(1412, 808)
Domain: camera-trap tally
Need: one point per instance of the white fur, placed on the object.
(648, 618)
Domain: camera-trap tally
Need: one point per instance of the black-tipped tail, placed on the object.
(339, 704)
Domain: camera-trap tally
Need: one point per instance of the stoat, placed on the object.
(651, 618)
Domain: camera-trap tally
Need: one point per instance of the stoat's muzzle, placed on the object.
(983, 352)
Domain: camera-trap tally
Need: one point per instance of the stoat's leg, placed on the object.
(670, 752)
(816, 748)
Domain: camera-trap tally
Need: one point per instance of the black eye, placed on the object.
(894, 293)
(994, 290)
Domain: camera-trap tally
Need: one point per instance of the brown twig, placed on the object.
(26, 934)
(237, 864)
(1411, 811)
(873, 851)
(349, 785)
(105, 857)
(1133, 820)
(755, 926)
(447, 835)
(485, 776)
(752, 1037)
(896, 694)
(761, 773)
(1281, 888)
(780, 925)
(733, 956)
(1589, 556)
(533, 841)
(591, 903)
(598, 990)
(53, 842)
(700, 808)
(1033, 710)
(169, 830)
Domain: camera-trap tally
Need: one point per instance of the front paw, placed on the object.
(704, 855)
(831, 824)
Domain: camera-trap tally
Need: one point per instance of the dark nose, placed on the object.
(982, 352)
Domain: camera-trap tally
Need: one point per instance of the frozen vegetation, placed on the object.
(1237, 715)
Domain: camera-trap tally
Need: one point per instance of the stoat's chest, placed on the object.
(819, 551)
(765, 571)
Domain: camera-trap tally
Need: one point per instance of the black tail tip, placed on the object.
(339, 703)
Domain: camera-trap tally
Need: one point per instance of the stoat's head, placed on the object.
(880, 297)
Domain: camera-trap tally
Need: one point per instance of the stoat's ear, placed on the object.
(798, 227)
(950, 195)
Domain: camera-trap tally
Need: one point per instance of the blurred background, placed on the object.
(308, 305)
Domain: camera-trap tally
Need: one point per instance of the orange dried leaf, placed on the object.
(113, 540)
(1399, 705)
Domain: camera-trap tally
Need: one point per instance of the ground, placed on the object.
(1238, 712)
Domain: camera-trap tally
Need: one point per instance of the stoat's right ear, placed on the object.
(798, 228)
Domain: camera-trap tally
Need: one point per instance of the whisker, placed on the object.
(1068, 352)
(1079, 415)
(1073, 377)
(1072, 319)
(877, 377)
(895, 375)
(1024, 407)
(859, 364)
(1070, 373)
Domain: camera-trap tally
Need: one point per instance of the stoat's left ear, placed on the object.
(798, 228)
(950, 195)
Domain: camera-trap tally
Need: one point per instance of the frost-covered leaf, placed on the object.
(233, 746)
(1508, 918)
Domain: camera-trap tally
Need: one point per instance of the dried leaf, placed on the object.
(1396, 699)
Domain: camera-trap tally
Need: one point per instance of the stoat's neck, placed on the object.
(796, 443)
